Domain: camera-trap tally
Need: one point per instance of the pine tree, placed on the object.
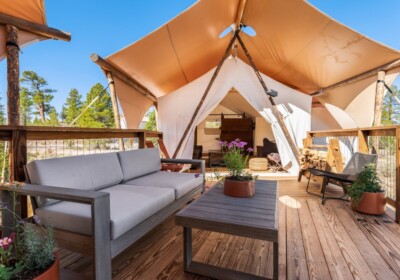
(3, 149)
(72, 107)
(25, 106)
(39, 93)
(98, 109)
(391, 107)
(53, 118)
(151, 124)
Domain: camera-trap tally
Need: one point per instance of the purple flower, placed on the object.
(250, 150)
(197, 175)
(241, 144)
(230, 146)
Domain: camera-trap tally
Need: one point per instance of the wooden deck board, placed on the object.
(316, 242)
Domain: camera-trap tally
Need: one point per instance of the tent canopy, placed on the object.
(295, 44)
(26, 14)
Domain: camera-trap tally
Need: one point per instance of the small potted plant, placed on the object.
(238, 183)
(28, 253)
(366, 193)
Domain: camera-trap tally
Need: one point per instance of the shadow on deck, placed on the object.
(315, 241)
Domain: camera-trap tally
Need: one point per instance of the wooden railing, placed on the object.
(369, 140)
(18, 137)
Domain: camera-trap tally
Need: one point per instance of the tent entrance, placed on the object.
(234, 117)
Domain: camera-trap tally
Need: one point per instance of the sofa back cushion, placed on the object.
(87, 172)
(136, 163)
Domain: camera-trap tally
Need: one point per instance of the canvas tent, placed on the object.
(29, 16)
(295, 45)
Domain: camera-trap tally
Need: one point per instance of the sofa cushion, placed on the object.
(136, 163)
(182, 183)
(129, 206)
(87, 172)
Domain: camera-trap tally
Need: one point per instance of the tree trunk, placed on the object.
(41, 112)
(12, 75)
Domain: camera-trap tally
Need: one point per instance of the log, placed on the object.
(12, 75)
(114, 102)
(379, 95)
(35, 28)
(108, 67)
(362, 76)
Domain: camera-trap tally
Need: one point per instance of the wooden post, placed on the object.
(142, 140)
(363, 141)
(380, 93)
(275, 110)
(18, 159)
(221, 62)
(12, 75)
(114, 101)
(397, 175)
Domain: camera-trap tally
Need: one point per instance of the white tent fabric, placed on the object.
(295, 106)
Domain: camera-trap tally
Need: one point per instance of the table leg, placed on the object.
(276, 260)
(187, 247)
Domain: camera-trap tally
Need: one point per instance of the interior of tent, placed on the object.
(233, 118)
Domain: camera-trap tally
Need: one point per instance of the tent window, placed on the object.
(213, 124)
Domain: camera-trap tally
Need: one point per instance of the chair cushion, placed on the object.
(129, 206)
(87, 172)
(182, 183)
(136, 163)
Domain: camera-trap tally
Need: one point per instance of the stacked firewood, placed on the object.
(313, 159)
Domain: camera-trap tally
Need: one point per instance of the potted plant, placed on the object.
(366, 193)
(238, 183)
(28, 253)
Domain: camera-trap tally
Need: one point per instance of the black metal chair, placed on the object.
(344, 179)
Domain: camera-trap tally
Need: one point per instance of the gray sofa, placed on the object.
(108, 201)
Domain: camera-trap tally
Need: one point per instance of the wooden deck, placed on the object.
(316, 242)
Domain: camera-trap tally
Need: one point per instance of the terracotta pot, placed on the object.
(239, 188)
(371, 203)
(52, 273)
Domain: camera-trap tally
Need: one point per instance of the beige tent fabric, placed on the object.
(31, 10)
(133, 104)
(295, 44)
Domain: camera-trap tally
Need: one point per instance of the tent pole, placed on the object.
(274, 108)
(114, 102)
(206, 92)
(117, 73)
(239, 14)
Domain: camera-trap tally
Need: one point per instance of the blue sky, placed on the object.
(104, 27)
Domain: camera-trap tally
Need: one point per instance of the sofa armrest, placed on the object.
(64, 194)
(196, 162)
(100, 209)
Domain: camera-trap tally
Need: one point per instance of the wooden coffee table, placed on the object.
(255, 217)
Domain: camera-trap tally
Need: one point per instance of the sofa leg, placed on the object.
(101, 238)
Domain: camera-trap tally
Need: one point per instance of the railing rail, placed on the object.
(369, 139)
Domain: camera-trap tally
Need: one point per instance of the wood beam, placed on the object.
(362, 76)
(275, 110)
(35, 28)
(239, 13)
(108, 67)
(12, 75)
(214, 76)
(114, 102)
